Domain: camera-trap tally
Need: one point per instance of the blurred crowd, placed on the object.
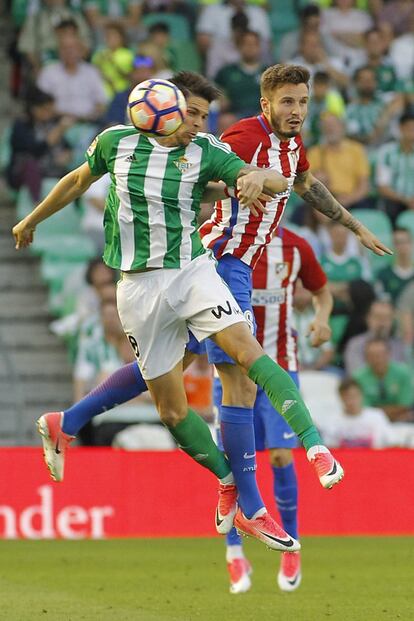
(73, 63)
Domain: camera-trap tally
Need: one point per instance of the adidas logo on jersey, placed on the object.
(287, 404)
(131, 158)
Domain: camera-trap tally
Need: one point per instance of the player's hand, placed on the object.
(23, 234)
(319, 332)
(371, 242)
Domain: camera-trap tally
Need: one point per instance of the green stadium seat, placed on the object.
(406, 221)
(64, 247)
(283, 16)
(187, 56)
(24, 203)
(178, 24)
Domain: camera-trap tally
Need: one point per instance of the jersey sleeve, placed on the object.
(244, 139)
(95, 156)
(303, 164)
(311, 272)
(225, 165)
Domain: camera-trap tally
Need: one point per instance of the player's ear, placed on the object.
(265, 105)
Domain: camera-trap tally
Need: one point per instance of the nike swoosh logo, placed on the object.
(283, 542)
(294, 581)
(287, 436)
(249, 456)
(57, 451)
(218, 521)
(333, 471)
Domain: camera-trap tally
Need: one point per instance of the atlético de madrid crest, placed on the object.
(182, 164)
(282, 270)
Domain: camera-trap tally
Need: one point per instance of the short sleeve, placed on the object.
(311, 272)
(96, 158)
(244, 139)
(225, 165)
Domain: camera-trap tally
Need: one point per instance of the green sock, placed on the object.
(194, 438)
(285, 398)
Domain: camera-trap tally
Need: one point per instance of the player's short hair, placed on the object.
(192, 83)
(278, 75)
(346, 384)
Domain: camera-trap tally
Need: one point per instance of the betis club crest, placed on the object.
(183, 164)
(282, 270)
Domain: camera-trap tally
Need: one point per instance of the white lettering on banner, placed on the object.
(37, 521)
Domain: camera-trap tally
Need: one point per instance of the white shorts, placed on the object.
(157, 309)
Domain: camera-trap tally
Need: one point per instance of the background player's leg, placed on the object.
(122, 386)
(285, 488)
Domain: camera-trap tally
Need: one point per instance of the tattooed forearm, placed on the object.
(320, 198)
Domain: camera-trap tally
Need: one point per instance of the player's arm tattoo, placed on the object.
(317, 195)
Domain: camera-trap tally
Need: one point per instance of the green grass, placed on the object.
(348, 578)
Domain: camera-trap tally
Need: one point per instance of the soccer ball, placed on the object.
(156, 107)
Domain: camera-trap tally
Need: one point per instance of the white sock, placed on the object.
(318, 448)
(233, 552)
(228, 479)
(258, 513)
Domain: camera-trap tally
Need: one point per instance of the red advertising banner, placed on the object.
(115, 493)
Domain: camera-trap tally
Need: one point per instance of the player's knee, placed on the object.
(248, 353)
(171, 415)
(280, 457)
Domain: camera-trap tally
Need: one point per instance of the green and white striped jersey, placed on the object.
(152, 207)
(361, 119)
(395, 168)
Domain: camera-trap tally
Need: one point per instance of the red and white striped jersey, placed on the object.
(235, 231)
(285, 259)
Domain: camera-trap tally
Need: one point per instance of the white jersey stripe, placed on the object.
(125, 214)
(154, 179)
(194, 153)
(290, 341)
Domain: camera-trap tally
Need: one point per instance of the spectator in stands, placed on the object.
(394, 278)
(367, 116)
(346, 25)
(405, 308)
(357, 425)
(397, 13)
(380, 322)
(402, 52)
(219, 27)
(76, 84)
(240, 82)
(114, 61)
(313, 56)
(97, 277)
(127, 13)
(38, 41)
(325, 98)
(143, 68)
(384, 383)
(395, 166)
(161, 67)
(376, 58)
(310, 21)
(159, 35)
(311, 358)
(341, 164)
(342, 267)
(37, 144)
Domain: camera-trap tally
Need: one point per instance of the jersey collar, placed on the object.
(265, 124)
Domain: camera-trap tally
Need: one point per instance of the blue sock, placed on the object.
(123, 385)
(233, 538)
(286, 494)
(238, 440)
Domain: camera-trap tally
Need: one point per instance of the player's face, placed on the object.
(286, 109)
(194, 122)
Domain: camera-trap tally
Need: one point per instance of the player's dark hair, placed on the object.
(195, 84)
(278, 75)
(346, 384)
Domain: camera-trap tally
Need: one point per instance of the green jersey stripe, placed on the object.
(140, 205)
(174, 229)
(193, 153)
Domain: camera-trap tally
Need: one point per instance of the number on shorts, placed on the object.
(134, 345)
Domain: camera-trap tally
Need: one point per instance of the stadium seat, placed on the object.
(58, 246)
(406, 221)
(283, 17)
(178, 24)
(187, 57)
(24, 203)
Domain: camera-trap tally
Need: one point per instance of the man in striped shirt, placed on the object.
(284, 260)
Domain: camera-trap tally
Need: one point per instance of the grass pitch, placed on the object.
(348, 578)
